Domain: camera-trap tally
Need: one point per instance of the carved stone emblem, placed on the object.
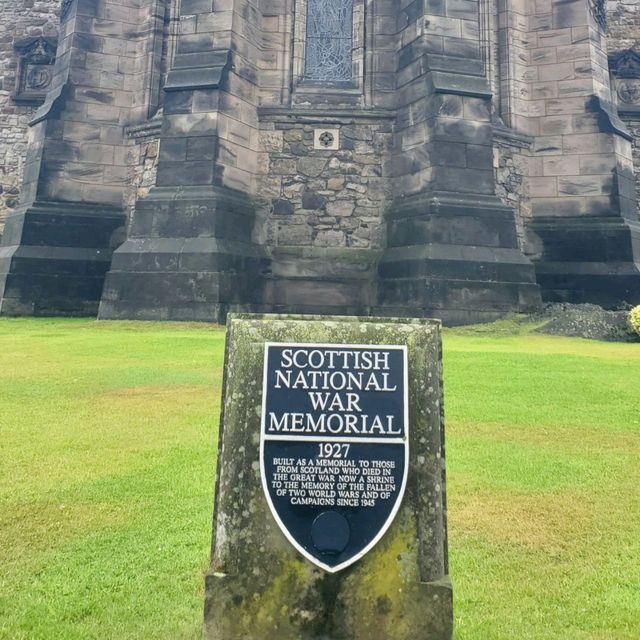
(326, 139)
(625, 64)
(625, 69)
(36, 56)
(629, 92)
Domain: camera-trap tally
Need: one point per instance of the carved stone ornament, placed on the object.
(625, 64)
(628, 92)
(599, 11)
(65, 8)
(35, 69)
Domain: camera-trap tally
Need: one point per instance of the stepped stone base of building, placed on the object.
(450, 256)
(587, 260)
(54, 257)
(189, 256)
(455, 257)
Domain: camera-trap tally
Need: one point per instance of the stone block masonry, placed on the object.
(19, 21)
(478, 155)
(623, 27)
(81, 166)
(318, 198)
(623, 44)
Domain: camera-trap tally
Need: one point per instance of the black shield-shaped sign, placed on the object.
(334, 445)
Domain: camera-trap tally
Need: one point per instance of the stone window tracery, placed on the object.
(329, 41)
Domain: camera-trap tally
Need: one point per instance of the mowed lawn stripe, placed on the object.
(108, 437)
(544, 507)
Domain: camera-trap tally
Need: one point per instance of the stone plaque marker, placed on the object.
(330, 515)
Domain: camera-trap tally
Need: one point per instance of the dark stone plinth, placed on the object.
(455, 258)
(54, 257)
(258, 586)
(334, 280)
(189, 256)
(587, 260)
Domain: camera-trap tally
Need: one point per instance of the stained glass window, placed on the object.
(329, 40)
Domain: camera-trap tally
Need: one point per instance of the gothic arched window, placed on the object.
(329, 41)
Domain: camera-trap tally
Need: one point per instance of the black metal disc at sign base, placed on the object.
(334, 445)
(330, 532)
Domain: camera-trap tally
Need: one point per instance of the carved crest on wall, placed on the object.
(625, 64)
(36, 57)
(599, 11)
(625, 71)
(629, 92)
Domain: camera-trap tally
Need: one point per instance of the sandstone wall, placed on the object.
(512, 162)
(624, 33)
(18, 19)
(25, 18)
(324, 198)
(624, 24)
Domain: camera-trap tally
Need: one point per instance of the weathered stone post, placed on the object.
(259, 585)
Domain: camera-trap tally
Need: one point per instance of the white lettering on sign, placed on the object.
(334, 359)
(334, 395)
(333, 480)
(334, 445)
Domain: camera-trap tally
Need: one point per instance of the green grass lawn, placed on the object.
(107, 464)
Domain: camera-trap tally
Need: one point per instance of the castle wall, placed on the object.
(18, 20)
(513, 72)
(265, 171)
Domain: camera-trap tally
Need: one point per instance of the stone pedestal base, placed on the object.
(54, 257)
(307, 604)
(312, 280)
(455, 258)
(587, 260)
(259, 587)
(188, 257)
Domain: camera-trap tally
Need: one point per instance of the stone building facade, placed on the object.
(21, 24)
(456, 158)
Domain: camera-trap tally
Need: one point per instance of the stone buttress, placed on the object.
(451, 249)
(57, 245)
(189, 254)
(584, 230)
